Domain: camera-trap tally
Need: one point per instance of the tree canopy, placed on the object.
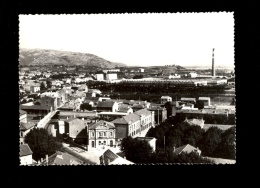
(41, 143)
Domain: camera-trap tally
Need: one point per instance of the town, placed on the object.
(80, 115)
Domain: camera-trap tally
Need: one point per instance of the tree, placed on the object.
(41, 143)
(42, 86)
(137, 151)
(210, 141)
(227, 147)
(48, 82)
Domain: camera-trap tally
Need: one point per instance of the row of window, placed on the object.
(102, 134)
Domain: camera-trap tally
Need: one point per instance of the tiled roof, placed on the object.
(109, 155)
(120, 121)
(108, 104)
(131, 117)
(22, 112)
(186, 148)
(26, 126)
(102, 125)
(60, 158)
(25, 150)
(137, 106)
(143, 112)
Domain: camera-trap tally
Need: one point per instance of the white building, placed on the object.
(141, 70)
(193, 74)
(100, 76)
(111, 76)
(205, 100)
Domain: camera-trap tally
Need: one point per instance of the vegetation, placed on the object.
(212, 143)
(41, 143)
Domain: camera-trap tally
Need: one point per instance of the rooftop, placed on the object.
(25, 150)
(102, 125)
(107, 104)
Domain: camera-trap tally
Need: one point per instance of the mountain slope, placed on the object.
(55, 57)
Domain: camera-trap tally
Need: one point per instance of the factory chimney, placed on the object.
(213, 68)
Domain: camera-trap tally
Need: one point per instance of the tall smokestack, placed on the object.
(213, 67)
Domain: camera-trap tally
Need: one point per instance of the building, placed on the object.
(160, 113)
(186, 148)
(75, 129)
(140, 70)
(24, 129)
(197, 122)
(111, 76)
(150, 140)
(165, 99)
(25, 155)
(110, 158)
(100, 76)
(205, 100)
(135, 124)
(111, 70)
(192, 75)
(107, 106)
(101, 134)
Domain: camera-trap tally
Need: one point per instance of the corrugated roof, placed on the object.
(108, 155)
(77, 114)
(25, 150)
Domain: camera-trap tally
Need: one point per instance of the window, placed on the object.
(111, 133)
(99, 142)
(100, 133)
(105, 134)
(93, 134)
(105, 142)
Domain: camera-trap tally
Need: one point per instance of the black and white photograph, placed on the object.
(127, 89)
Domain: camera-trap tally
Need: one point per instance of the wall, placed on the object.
(26, 160)
(121, 131)
(23, 118)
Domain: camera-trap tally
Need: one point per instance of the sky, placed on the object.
(153, 39)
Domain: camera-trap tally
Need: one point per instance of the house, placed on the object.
(110, 158)
(25, 155)
(76, 130)
(61, 158)
(137, 107)
(186, 148)
(150, 140)
(198, 122)
(102, 133)
(165, 99)
(140, 70)
(107, 106)
(125, 108)
(135, 124)
(83, 87)
(25, 128)
(100, 76)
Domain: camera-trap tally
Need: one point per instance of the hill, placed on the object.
(42, 57)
